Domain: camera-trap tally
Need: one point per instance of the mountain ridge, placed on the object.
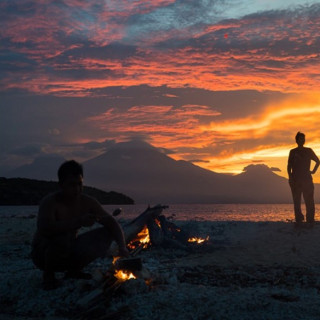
(149, 175)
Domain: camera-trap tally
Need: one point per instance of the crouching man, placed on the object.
(56, 246)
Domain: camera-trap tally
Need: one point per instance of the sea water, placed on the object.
(199, 212)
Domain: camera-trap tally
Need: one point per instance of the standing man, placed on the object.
(56, 246)
(300, 178)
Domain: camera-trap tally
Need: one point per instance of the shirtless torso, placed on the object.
(57, 216)
(56, 245)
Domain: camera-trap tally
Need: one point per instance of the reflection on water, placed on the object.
(212, 212)
(221, 212)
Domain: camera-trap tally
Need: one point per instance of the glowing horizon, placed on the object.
(220, 84)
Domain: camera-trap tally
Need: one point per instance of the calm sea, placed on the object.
(212, 212)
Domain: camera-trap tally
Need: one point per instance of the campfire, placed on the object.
(151, 229)
(142, 238)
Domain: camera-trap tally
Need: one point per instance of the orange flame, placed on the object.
(142, 237)
(124, 276)
(198, 240)
(115, 259)
(158, 222)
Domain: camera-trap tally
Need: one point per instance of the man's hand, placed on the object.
(88, 220)
(123, 252)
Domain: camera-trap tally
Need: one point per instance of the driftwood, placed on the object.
(135, 226)
(166, 234)
(132, 228)
(155, 233)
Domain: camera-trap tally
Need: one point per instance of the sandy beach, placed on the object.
(251, 270)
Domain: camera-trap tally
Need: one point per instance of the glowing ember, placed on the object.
(198, 240)
(158, 222)
(123, 275)
(115, 259)
(142, 238)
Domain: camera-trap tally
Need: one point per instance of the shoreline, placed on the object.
(253, 270)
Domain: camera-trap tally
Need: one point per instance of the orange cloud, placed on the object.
(221, 145)
(165, 126)
(75, 48)
(263, 51)
(268, 136)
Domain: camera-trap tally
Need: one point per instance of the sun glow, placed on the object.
(267, 137)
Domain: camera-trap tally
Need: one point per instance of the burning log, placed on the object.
(172, 231)
(156, 233)
(132, 229)
(152, 228)
(149, 228)
(141, 241)
(166, 234)
(138, 223)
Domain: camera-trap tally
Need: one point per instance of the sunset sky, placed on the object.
(221, 83)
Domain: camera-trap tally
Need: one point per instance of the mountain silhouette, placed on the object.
(148, 175)
(259, 184)
(43, 167)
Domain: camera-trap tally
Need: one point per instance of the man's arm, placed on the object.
(316, 160)
(48, 224)
(111, 224)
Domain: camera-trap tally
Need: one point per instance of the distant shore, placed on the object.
(21, 191)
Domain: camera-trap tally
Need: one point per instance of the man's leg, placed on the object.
(51, 255)
(56, 259)
(308, 196)
(41, 258)
(296, 190)
(88, 247)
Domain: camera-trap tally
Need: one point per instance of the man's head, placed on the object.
(300, 138)
(70, 176)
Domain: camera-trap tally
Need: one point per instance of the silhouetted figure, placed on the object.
(300, 178)
(56, 245)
